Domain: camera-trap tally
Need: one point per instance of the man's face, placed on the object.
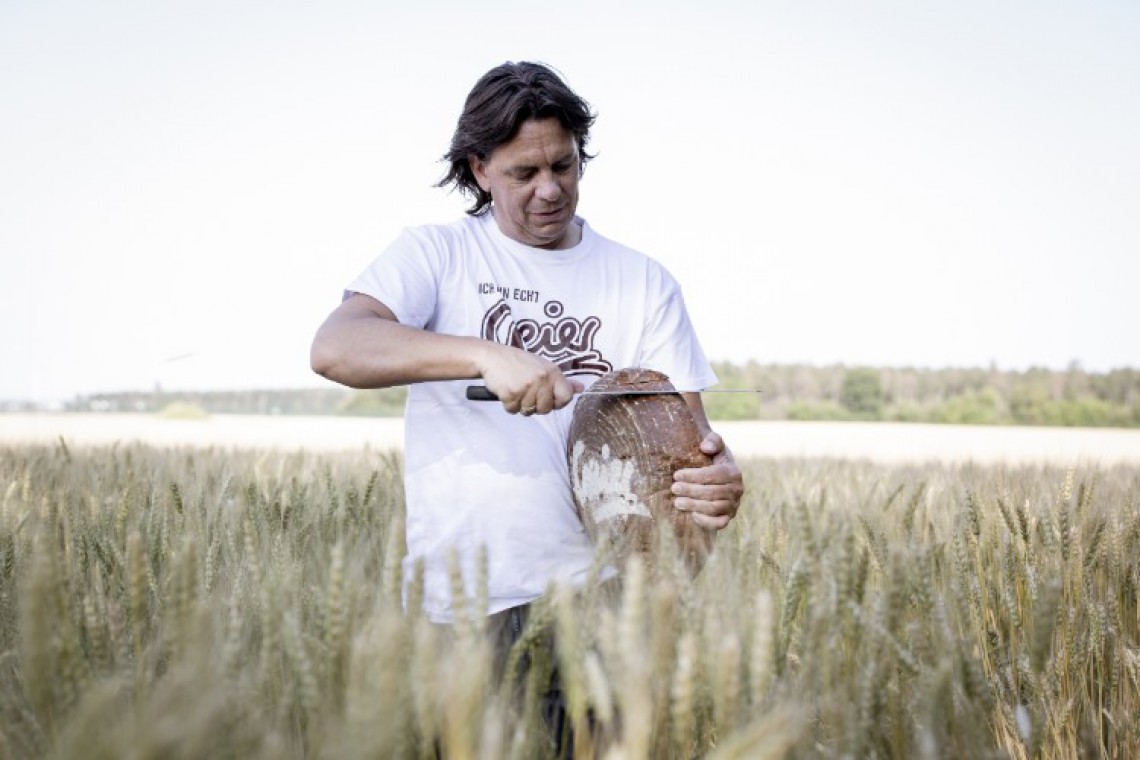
(533, 182)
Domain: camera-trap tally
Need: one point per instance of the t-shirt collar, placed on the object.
(557, 255)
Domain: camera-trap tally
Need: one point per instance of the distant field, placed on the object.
(226, 430)
(880, 441)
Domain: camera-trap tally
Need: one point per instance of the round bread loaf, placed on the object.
(622, 452)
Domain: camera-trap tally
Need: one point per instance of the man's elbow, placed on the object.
(327, 361)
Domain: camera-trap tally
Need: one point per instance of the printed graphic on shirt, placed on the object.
(564, 340)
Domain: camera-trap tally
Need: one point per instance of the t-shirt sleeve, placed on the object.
(670, 343)
(405, 278)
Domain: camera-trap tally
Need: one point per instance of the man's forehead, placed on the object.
(540, 141)
(540, 154)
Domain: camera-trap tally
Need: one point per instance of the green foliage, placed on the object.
(969, 408)
(379, 402)
(907, 411)
(733, 406)
(953, 396)
(824, 410)
(863, 393)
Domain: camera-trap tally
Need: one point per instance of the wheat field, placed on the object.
(178, 603)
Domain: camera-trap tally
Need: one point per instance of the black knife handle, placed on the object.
(480, 393)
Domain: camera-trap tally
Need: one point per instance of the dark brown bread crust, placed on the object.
(622, 452)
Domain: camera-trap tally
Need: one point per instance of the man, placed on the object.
(526, 296)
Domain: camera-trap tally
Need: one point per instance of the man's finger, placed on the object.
(713, 474)
(712, 444)
(710, 523)
(704, 506)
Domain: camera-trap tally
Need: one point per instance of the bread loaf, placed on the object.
(622, 452)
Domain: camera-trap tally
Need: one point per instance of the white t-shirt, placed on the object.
(476, 476)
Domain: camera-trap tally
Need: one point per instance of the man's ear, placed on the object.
(479, 170)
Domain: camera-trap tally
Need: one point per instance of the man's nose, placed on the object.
(548, 189)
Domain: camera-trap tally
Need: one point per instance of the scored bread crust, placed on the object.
(622, 452)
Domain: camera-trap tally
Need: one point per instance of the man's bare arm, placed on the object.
(362, 345)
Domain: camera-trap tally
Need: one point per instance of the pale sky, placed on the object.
(889, 183)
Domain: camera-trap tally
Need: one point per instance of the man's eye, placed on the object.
(524, 174)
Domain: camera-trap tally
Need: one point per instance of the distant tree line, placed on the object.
(1068, 398)
(1071, 397)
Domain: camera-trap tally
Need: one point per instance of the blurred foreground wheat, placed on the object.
(178, 604)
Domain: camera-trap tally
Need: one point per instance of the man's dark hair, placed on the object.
(504, 98)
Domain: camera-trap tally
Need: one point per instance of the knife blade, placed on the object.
(480, 392)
